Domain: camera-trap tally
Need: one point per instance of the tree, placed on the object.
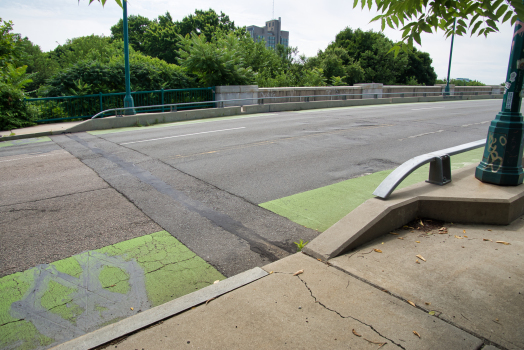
(13, 111)
(92, 77)
(137, 26)
(416, 16)
(357, 56)
(217, 62)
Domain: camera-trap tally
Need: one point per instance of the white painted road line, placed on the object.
(424, 134)
(419, 109)
(171, 137)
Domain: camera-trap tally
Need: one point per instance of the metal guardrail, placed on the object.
(260, 100)
(52, 109)
(439, 168)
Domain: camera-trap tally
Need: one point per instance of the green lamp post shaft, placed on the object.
(502, 160)
(446, 90)
(128, 99)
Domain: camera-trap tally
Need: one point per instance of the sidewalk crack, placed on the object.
(351, 317)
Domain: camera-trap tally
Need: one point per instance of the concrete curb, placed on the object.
(170, 117)
(465, 200)
(33, 135)
(148, 317)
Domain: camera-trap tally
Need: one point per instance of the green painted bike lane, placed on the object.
(320, 208)
(52, 303)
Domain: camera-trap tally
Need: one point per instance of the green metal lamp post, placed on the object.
(128, 99)
(502, 160)
(446, 90)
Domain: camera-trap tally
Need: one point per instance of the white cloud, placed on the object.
(312, 26)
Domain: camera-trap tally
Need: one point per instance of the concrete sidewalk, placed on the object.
(428, 284)
(39, 130)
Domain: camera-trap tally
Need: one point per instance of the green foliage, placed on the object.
(301, 245)
(338, 81)
(13, 111)
(160, 37)
(41, 66)
(137, 26)
(461, 82)
(218, 62)
(92, 77)
(314, 77)
(416, 16)
(360, 56)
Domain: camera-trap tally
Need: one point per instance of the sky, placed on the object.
(312, 25)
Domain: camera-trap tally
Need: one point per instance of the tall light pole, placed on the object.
(128, 99)
(502, 160)
(446, 90)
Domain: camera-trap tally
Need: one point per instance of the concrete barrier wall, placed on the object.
(169, 117)
(236, 92)
(411, 91)
(328, 93)
(297, 94)
(478, 90)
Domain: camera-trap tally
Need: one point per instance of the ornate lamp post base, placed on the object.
(502, 160)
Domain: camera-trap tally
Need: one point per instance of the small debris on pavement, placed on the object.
(208, 300)
(463, 231)
(393, 233)
(355, 333)
(412, 303)
(270, 272)
(502, 242)
(131, 308)
(216, 281)
(489, 230)
(432, 313)
(377, 250)
(375, 342)
(416, 333)
(417, 241)
(400, 237)
(458, 237)
(420, 257)
(418, 262)
(298, 272)
(487, 239)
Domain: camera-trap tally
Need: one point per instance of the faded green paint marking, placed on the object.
(69, 266)
(23, 141)
(171, 269)
(319, 209)
(100, 309)
(163, 125)
(58, 300)
(24, 334)
(138, 273)
(12, 330)
(114, 279)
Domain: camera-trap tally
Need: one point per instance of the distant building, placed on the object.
(463, 79)
(272, 33)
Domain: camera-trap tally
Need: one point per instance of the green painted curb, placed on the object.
(24, 141)
(53, 303)
(320, 208)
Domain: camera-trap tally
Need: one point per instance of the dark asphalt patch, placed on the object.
(227, 231)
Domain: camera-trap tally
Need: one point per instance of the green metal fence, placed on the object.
(51, 109)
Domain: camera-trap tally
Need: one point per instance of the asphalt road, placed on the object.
(270, 156)
(202, 181)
